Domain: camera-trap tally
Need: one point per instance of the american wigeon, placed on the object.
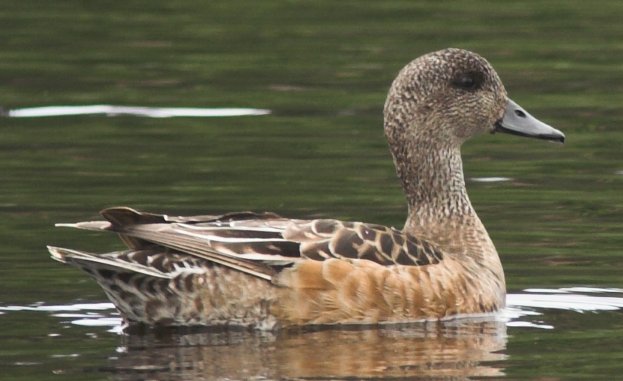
(266, 271)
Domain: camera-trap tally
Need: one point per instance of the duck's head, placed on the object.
(451, 95)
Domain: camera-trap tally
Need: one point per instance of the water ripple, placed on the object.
(529, 303)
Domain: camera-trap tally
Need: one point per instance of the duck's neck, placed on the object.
(432, 177)
(440, 211)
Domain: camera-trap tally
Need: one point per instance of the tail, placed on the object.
(120, 261)
(244, 241)
(160, 286)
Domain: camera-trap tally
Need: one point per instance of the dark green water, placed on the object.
(323, 68)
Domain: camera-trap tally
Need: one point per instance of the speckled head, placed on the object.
(445, 96)
(448, 96)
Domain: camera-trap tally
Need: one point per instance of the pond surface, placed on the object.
(322, 69)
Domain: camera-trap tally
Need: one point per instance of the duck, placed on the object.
(265, 271)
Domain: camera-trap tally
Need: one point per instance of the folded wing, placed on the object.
(261, 244)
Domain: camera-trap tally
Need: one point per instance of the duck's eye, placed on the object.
(468, 81)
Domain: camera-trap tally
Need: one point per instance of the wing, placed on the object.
(323, 239)
(262, 244)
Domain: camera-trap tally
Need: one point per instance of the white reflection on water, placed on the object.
(490, 179)
(65, 308)
(151, 112)
(530, 303)
(106, 317)
(569, 299)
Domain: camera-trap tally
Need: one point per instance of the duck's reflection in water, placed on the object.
(456, 349)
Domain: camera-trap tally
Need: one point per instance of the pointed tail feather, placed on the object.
(244, 241)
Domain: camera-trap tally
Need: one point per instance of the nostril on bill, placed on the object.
(520, 113)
